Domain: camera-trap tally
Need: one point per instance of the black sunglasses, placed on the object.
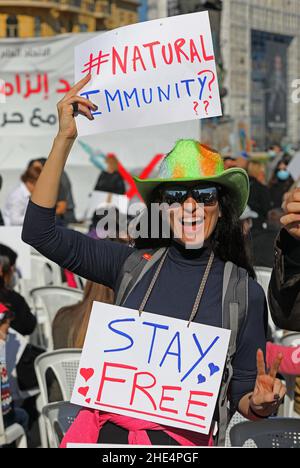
(207, 196)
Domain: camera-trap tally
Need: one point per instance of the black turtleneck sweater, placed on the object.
(174, 293)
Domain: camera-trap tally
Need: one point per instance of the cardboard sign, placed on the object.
(150, 73)
(151, 367)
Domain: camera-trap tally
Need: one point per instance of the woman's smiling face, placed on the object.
(194, 220)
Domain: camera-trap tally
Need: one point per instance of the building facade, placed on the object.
(41, 18)
(261, 52)
(157, 9)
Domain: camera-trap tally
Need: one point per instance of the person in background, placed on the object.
(247, 220)
(242, 161)
(280, 183)
(24, 321)
(110, 180)
(275, 154)
(11, 415)
(65, 207)
(259, 200)
(263, 241)
(284, 292)
(229, 161)
(16, 202)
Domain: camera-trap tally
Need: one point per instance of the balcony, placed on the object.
(95, 8)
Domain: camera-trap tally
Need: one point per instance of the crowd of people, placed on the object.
(232, 210)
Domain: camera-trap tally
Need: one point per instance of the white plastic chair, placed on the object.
(263, 276)
(51, 299)
(60, 416)
(64, 364)
(13, 433)
(291, 339)
(44, 272)
(237, 418)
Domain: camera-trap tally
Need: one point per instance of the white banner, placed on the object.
(150, 73)
(35, 74)
(151, 367)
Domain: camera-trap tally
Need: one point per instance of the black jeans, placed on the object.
(112, 434)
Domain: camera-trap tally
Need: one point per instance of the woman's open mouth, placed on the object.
(192, 225)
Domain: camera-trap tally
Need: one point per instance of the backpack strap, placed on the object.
(234, 313)
(133, 270)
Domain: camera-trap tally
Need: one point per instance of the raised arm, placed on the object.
(47, 187)
(98, 261)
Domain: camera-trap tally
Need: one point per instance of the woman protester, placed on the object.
(280, 183)
(184, 279)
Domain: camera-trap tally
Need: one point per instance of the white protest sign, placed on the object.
(11, 237)
(151, 367)
(150, 73)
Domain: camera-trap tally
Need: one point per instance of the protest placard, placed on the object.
(151, 367)
(150, 73)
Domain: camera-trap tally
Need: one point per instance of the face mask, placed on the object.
(283, 175)
(271, 154)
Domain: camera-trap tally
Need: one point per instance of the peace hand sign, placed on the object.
(269, 391)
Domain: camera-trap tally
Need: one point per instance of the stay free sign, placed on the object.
(151, 367)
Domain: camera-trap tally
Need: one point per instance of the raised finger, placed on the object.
(84, 110)
(261, 368)
(277, 388)
(275, 366)
(287, 198)
(290, 219)
(78, 86)
(293, 207)
(82, 100)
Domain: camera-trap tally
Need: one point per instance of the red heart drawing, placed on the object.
(88, 401)
(86, 373)
(83, 391)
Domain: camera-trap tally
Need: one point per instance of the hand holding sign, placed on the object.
(151, 73)
(269, 391)
(151, 367)
(67, 124)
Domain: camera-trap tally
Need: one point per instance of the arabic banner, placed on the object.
(150, 73)
(34, 75)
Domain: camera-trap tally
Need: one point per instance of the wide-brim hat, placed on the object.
(190, 161)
